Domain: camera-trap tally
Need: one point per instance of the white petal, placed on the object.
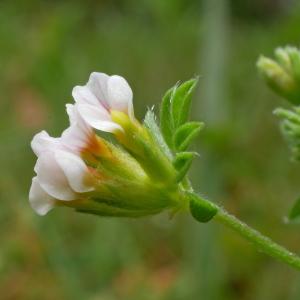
(71, 111)
(98, 118)
(39, 200)
(78, 135)
(43, 142)
(130, 110)
(75, 170)
(82, 94)
(52, 179)
(75, 117)
(75, 138)
(119, 94)
(108, 126)
(98, 86)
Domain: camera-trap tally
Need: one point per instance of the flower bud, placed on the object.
(282, 74)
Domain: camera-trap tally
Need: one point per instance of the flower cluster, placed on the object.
(84, 171)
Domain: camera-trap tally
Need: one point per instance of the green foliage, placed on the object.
(177, 131)
(283, 73)
(166, 119)
(181, 102)
(185, 134)
(283, 76)
(175, 109)
(201, 209)
(150, 123)
(290, 127)
(182, 163)
(294, 56)
(295, 211)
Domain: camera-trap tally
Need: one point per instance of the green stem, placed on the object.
(260, 241)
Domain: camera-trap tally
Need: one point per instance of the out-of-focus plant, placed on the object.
(282, 74)
(144, 172)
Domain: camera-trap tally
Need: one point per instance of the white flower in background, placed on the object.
(102, 95)
(61, 173)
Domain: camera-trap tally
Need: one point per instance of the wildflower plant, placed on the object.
(141, 171)
(282, 74)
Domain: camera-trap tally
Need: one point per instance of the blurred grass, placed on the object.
(47, 47)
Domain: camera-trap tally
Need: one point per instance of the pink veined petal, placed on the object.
(43, 142)
(119, 94)
(98, 118)
(39, 200)
(74, 138)
(98, 86)
(77, 136)
(75, 171)
(52, 178)
(83, 95)
(76, 118)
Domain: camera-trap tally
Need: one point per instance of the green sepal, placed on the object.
(151, 125)
(294, 213)
(185, 134)
(202, 210)
(181, 102)
(166, 119)
(182, 163)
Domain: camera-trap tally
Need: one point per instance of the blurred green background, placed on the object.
(47, 47)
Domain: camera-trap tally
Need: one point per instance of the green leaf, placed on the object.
(166, 119)
(150, 123)
(295, 211)
(185, 134)
(202, 210)
(182, 163)
(174, 113)
(181, 101)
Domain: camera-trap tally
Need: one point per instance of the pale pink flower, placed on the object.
(61, 172)
(101, 95)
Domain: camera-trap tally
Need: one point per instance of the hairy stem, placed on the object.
(260, 241)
